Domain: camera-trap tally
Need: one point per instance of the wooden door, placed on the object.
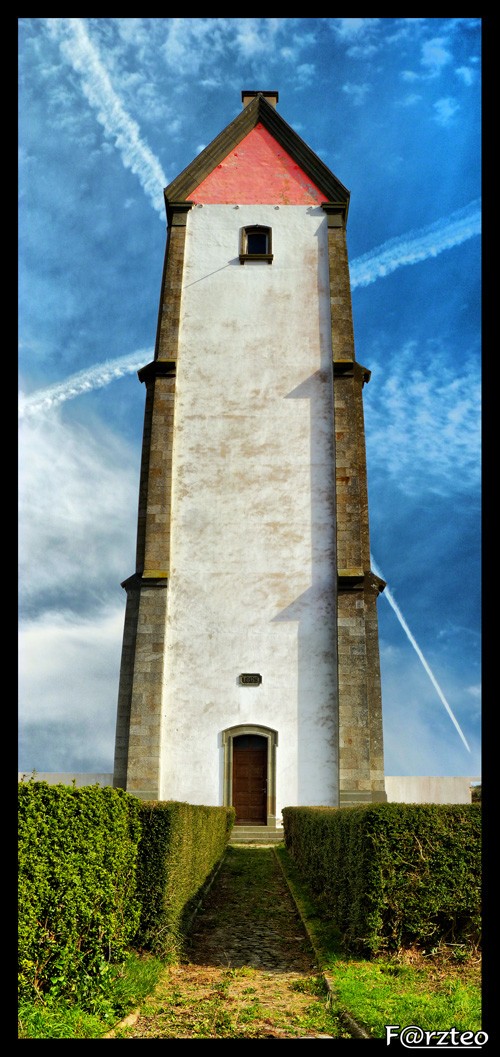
(250, 780)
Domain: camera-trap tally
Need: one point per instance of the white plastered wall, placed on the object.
(253, 575)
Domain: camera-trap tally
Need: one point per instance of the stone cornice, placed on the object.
(177, 212)
(155, 369)
(136, 582)
(336, 213)
(351, 369)
(358, 579)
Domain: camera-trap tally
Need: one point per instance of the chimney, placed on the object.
(272, 97)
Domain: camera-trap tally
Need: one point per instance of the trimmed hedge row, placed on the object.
(180, 847)
(392, 875)
(78, 908)
(101, 872)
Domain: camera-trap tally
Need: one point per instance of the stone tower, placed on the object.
(250, 665)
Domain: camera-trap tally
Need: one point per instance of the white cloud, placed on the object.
(435, 55)
(423, 425)
(68, 691)
(78, 49)
(466, 75)
(190, 42)
(410, 100)
(388, 595)
(85, 381)
(361, 51)
(195, 44)
(305, 73)
(348, 29)
(292, 49)
(133, 31)
(210, 82)
(359, 34)
(445, 110)
(78, 502)
(77, 508)
(418, 735)
(249, 37)
(67, 664)
(356, 91)
(417, 245)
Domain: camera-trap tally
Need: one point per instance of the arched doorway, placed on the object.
(250, 774)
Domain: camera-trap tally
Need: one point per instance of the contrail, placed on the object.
(83, 382)
(387, 594)
(81, 53)
(417, 245)
(408, 249)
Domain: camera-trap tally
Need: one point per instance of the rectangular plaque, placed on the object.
(250, 679)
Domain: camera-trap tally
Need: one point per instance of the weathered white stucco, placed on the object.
(252, 580)
(419, 789)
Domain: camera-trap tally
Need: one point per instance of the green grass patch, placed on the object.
(128, 986)
(437, 991)
(379, 992)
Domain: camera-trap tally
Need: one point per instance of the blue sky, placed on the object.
(110, 111)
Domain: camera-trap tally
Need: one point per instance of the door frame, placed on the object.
(272, 742)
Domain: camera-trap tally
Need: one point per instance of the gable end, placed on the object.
(258, 110)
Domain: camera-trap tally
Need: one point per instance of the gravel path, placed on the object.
(248, 969)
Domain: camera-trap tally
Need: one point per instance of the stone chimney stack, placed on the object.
(272, 97)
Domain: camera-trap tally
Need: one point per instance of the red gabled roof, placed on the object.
(258, 170)
(257, 158)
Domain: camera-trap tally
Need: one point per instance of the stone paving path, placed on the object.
(248, 970)
(250, 918)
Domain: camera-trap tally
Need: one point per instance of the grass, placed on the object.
(436, 991)
(236, 1003)
(52, 1018)
(381, 993)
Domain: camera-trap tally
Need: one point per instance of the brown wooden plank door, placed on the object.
(250, 780)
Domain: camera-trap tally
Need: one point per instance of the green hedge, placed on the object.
(101, 872)
(393, 875)
(180, 847)
(78, 908)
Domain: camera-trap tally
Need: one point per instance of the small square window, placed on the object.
(256, 244)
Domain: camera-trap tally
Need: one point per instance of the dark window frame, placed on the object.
(255, 229)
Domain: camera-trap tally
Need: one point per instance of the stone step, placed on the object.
(256, 835)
